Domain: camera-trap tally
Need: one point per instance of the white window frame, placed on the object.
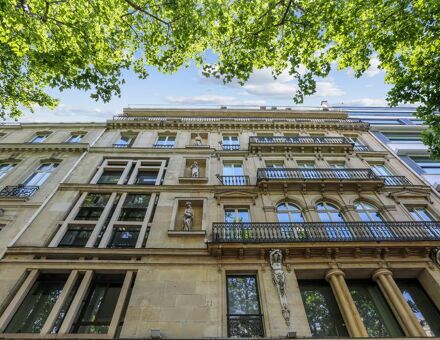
(29, 181)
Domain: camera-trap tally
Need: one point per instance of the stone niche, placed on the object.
(197, 205)
(203, 135)
(203, 171)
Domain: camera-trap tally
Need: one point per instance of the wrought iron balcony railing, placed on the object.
(268, 174)
(230, 147)
(121, 145)
(299, 140)
(361, 148)
(163, 146)
(234, 180)
(325, 232)
(19, 191)
(396, 180)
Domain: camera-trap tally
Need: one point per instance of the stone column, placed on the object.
(353, 321)
(398, 304)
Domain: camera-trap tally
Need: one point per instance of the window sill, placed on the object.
(190, 233)
(197, 146)
(193, 180)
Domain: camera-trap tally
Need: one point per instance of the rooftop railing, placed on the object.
(18, 191)
(325, 232)
(268, 174)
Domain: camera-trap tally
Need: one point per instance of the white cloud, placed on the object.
(372, 70)
(210, 99)
(328, 89)
(365, 102)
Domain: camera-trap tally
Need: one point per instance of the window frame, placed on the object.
(236, 210)
(39, 170)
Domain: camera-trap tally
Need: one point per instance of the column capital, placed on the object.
(332, 272)
(380, 272)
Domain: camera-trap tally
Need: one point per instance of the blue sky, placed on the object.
(189, 87)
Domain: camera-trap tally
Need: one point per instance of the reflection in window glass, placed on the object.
(110, 177)
(322, 311)
(421, 214)
(146, 177)
(287, 212)
(75, 237)
(237, 215)
(376, 314)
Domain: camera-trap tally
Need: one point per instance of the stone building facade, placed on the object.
(213, 224)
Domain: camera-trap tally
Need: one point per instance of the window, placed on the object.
(75, 138)
(237, 215)
(421, 214)
(124, 237)
(230, 142)
(356, 142)
(92, 207)
(367, 212)
(5, 168)
(75, 237)
(287, 212)
(275, 164)
(244, 314)
(381, 170)
(383, 121)
(147, 177)
(428, 165)
(134, 207)
(232, 169)
(40, 175)
(329, 213)
(98, 306)
(403, 137)
(36, 306)
(110, 177)
(165, 141)
(306, 164)
(124, 141)
(374, 311)
(39, 138)
(325, 319)
(421, 305)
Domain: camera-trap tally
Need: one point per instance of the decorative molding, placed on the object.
(51, 147)
(279, 281)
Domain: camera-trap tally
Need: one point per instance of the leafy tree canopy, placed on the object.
(86, 44)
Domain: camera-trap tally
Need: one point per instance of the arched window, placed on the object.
(288, 212)
(328, 212)
(367, 212)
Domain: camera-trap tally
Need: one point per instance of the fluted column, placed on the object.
(402, 311)
(348, 309)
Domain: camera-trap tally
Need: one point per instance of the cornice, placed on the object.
(60, 147)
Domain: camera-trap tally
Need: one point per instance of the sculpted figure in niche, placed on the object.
(195, 169)
(279, 281)
(188, 217)
(198, 140)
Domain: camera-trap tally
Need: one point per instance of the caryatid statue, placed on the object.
(198, 140)
(279, 281)
(188, 217)
(195, 169)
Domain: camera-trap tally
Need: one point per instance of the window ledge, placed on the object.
(193, 179)
(204, 146)
(186, 233)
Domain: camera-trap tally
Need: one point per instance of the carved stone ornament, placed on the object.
(279, 281)
(188, 217)
(435, 256)
(195, 170)
(198, 140)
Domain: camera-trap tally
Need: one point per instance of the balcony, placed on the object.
(230, 147)
(19, 191)
(234, 180)
(163, 146)
(317, 178)
(299, 144)
(361, 148)
(121, 145)
(325, 232)
(396, 181)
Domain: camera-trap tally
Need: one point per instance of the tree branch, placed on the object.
(140, 9)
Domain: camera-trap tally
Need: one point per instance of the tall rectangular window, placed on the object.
(325, 319)
(421, 305)
(41, 174)
(75, 236)
(75, 138)
(99, 304)
(375, 312)
(92, 207)
(230, 142)
(233, 169)
(428, 165)
(5, 168)
(237, 215)
(244, 317)
(134, 207)
(36, 306)
(39, 138)
(165, 141)
(381, 170)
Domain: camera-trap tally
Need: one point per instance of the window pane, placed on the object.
(124, 238)
(376, 314)
(110, 177)
(229, 215)
(421, 305)
(36, 306)
(243, 216)
(322, 310)
(147, 177)
(75, 238)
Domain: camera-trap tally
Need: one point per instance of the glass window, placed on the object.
(230, 142)
(421, 214)
(367, 212)
(429, 166)
(76, 138)
(97, 308)
(124, 237)
(244, 315)
(237, 215)
(165, 141)
(403, 137)
(375, 312)
(355, 141)
(147, 177)
(381, 170)
(325, 319)
(328, 212)
(288, 212)
(275, 164)
(134, 207)
(110, 177)
(306, 164)
(124, 141)
(233, 169)
(40, 175)
(5, 168)
(383, 121)
(92, 207)
(38, 303)
(421, 305)
(75, 237)
(38, 139)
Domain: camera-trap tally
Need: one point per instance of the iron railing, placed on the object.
(299, 140)
(19, 191)
(325, 232)
(121, 145)
(234, 180)
(230, 147)
(245, 325)
(396, 180)
(163, 146)
(361, 148)
(268, 174)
